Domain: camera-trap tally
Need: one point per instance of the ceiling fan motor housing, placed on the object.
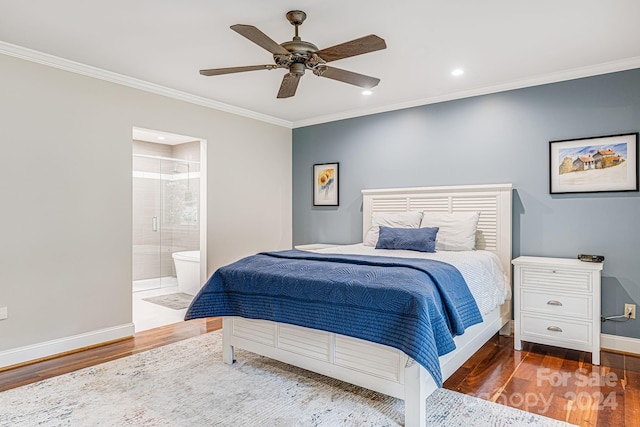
(298, 60)
(299, 46)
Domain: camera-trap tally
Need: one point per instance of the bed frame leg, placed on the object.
(416, 391)
(227, 349)
(227, 354)
(506, 330)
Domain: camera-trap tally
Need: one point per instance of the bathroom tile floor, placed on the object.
(147, 315)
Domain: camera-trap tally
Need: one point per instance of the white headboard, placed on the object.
(492, 201)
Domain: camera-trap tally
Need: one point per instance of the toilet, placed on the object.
(188, 271)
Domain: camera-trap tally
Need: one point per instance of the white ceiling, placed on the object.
(501, 44)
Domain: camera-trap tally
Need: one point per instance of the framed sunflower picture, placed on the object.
(325, 184)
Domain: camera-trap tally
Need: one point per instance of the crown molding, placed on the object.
(98, 73)
(572, 74)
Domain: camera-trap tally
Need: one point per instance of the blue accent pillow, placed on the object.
(414, 239)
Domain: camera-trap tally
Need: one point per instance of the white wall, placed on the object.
(65, 197)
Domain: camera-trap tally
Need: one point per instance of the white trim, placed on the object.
(575, 73)
(618, 343)
(438, 189)
(98, 73)
(62, 345)
(204, 233)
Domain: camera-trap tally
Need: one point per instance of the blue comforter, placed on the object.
(415, 305)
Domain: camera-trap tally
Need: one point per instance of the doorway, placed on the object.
(168, 188)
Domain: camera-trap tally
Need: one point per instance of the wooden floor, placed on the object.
(550, 381)
(554, 382)
(142, 341)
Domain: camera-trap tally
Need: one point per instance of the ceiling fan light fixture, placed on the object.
(367, 92)
(297, 68)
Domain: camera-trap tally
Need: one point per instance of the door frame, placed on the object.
(203, 189)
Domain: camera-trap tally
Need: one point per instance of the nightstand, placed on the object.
(557, 302)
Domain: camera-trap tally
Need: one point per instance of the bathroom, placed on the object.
(166, 235)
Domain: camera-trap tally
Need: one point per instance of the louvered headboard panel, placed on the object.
(492, 201)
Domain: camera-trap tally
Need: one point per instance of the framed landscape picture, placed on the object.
(325, 184)
(596, 164)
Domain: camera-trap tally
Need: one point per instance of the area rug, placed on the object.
(187, 384)
(177, 301)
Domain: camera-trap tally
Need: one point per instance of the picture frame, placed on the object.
(594, 164)
(326, 184)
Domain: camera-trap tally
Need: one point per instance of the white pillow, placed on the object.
(457, 231)
(391, 219)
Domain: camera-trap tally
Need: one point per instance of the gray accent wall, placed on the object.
(497, 138)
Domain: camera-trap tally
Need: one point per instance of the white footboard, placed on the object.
(370, 365)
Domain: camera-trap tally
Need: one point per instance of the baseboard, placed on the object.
(32, 352)
(618, 343)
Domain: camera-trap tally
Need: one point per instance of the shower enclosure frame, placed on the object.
(202, 200)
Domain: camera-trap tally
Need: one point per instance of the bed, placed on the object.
(384, 368)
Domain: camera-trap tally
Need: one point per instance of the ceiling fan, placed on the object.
(299, 55)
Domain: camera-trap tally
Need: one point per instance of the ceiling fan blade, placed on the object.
(365, 44)
(259, 38)
(289, 85)
(350, 77)
(230, 70)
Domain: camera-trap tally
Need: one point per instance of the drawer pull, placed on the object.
(554, 329)
(554, 302)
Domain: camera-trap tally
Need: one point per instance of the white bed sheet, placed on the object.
(481, 270)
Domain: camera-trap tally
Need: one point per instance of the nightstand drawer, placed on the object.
(564, 331)
(555, 278)
(542, 301)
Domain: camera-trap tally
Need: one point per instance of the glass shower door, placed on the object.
(166, 194)
(147, 230)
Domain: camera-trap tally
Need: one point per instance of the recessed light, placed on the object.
(161, 138)
(457, 72)
(367, 92)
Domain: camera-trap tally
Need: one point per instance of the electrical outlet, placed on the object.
(630, 310)
(4, 313)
